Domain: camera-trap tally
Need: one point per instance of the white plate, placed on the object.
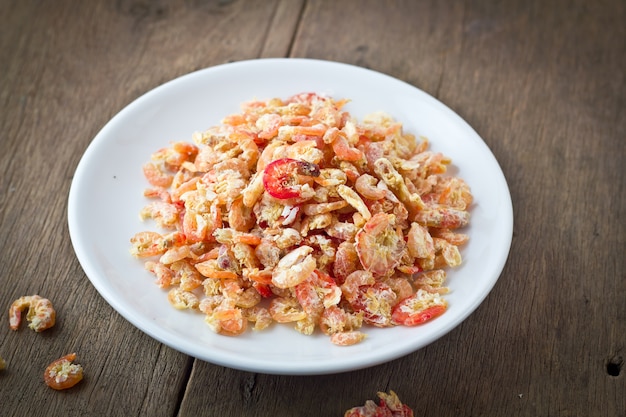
(106, 196)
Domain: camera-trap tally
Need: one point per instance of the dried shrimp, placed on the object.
(389, 405)
(293, 211)
(41, 314)
(62, 373)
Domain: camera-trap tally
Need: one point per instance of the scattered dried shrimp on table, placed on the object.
(333, 222)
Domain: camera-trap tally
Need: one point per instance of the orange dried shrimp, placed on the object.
(333, 222)
(389, 405)
(62, 373)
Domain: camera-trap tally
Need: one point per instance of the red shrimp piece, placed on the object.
(419, 308)
(62, 373)
(281, 178)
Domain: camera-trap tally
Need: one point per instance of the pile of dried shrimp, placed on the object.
(334, 222)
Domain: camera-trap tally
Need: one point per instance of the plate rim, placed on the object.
(255, 366)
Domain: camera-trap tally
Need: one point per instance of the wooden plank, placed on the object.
(414, 39)
(67, 68)
(282, 29)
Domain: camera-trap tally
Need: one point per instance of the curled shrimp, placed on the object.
(346, 261)
(456, 193)
(376, 303)
(164, 214)
(246, 147)
(146, 244)
(186, 186)
(198, 217)
(164, 275)
(334, 319)
(186, 275)
(354, 281)
(317, 292)
(380, 245)
(156, 176)
(173, 157)
(260, 316)
(227, 319)
(286, 310)
(240, 216)
(420, 242)
(41, 314)
(341, 146)
(267, 155)
(268, 253)
(286, 238)
(62, 373)
(294, 268)
(366, 186)
(268, 125)
(182, 299)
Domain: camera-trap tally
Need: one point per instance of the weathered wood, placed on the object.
(67, 68)
(542, 82)
(282, 30)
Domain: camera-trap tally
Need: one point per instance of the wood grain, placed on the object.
(542, 82)
(66, 69)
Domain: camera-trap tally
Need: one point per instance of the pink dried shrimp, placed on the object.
(389, 405)
(292, 211)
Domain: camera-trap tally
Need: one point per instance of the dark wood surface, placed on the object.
(543, 82)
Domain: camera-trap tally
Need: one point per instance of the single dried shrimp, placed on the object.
(293, 211)
(389, 405)
(41, 314)
(62, 373)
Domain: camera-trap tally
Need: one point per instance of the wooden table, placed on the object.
(544, 83)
